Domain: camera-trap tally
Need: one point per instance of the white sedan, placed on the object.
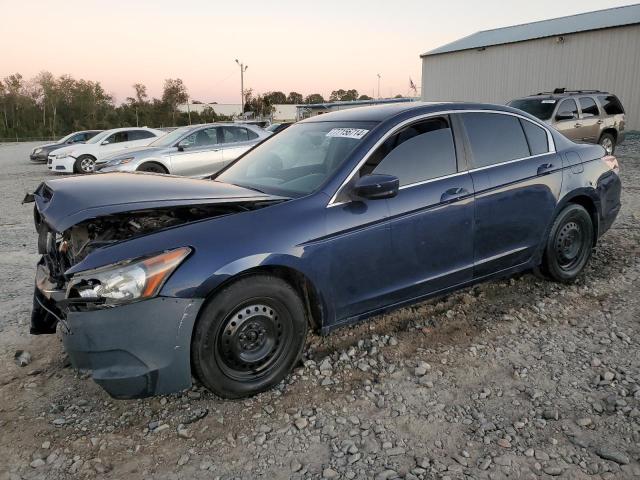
(81, 158)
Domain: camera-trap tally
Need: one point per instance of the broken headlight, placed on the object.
(126, 281)
(122, 161)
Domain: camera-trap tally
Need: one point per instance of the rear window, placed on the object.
(494, 138)
(611, 105)
(539, 108)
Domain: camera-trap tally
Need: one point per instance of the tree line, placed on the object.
(49, 107)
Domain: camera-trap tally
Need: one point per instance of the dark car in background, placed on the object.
(41, 152)
(587, 116)
(153, 278)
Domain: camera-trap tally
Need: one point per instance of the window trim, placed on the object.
(552, 148)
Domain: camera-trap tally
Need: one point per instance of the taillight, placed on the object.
(612, 163)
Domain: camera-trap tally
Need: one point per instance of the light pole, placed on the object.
(379, 77)
(243, 68)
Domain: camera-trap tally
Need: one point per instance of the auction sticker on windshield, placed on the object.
(356, 133)
(548, 101)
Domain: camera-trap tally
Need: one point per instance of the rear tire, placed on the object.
(569, 245)
(152, 167)
(249, 336)
(84, 164)
(608, 142)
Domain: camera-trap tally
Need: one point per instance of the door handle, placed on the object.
(577, 125)
(600, 122)
(453, 194)
(545, 168)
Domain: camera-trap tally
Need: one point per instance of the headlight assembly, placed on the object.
(62, 155)
(37, 151)
(128, 281)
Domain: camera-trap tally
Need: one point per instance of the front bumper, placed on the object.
(135, 350)
(62, 165)
(38, 157)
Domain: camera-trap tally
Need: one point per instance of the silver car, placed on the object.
(193, 151)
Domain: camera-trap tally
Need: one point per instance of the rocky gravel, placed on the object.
(512, 379)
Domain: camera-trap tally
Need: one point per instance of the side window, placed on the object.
(252, 135)
(494, 138)
(203, 138)
(420, 152)
(611, 105)
(589, 107)
(235, 134)
(119, 137)
(140, 134)
(536, 137)
(568, 105)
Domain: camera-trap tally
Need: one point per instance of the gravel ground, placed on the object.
(518, 378)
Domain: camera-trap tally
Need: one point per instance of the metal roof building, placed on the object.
(594, 50)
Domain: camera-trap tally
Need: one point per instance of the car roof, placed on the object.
(380, 113)
(561, 95)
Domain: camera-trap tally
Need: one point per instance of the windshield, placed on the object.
(299, 159)
(99, 137)
(170, 138)
(64, 139)
(540, 108)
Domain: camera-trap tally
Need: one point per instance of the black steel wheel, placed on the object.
(569, 244)
(249, 336)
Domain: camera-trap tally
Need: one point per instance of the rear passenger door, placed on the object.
(517, 178)
(590, 120)
(431, 218)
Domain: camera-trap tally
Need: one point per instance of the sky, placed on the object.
(300, 45)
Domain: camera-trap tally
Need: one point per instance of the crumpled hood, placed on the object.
(65, 202)
(138, 152)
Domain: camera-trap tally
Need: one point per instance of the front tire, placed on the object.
(84, 164)
(249, 336)
(569, 245)
(608, 142)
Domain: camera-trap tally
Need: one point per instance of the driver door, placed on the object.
(199, 154)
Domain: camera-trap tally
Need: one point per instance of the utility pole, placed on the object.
(379, 77)
(243, 68)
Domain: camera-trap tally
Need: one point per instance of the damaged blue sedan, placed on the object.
(152, 279)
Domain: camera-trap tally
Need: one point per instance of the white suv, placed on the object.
(81, 158)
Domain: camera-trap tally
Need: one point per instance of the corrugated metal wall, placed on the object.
(603, 59)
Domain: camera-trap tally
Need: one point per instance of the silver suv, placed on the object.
(588, 116)
(193, 151)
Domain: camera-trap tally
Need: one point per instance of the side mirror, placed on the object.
(105, 142)
(566, 115)
(377, 187)
(182, 144)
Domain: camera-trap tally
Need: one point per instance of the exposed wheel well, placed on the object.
(302, 285)
(158, 164)
(590, 206)
(611, 131)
